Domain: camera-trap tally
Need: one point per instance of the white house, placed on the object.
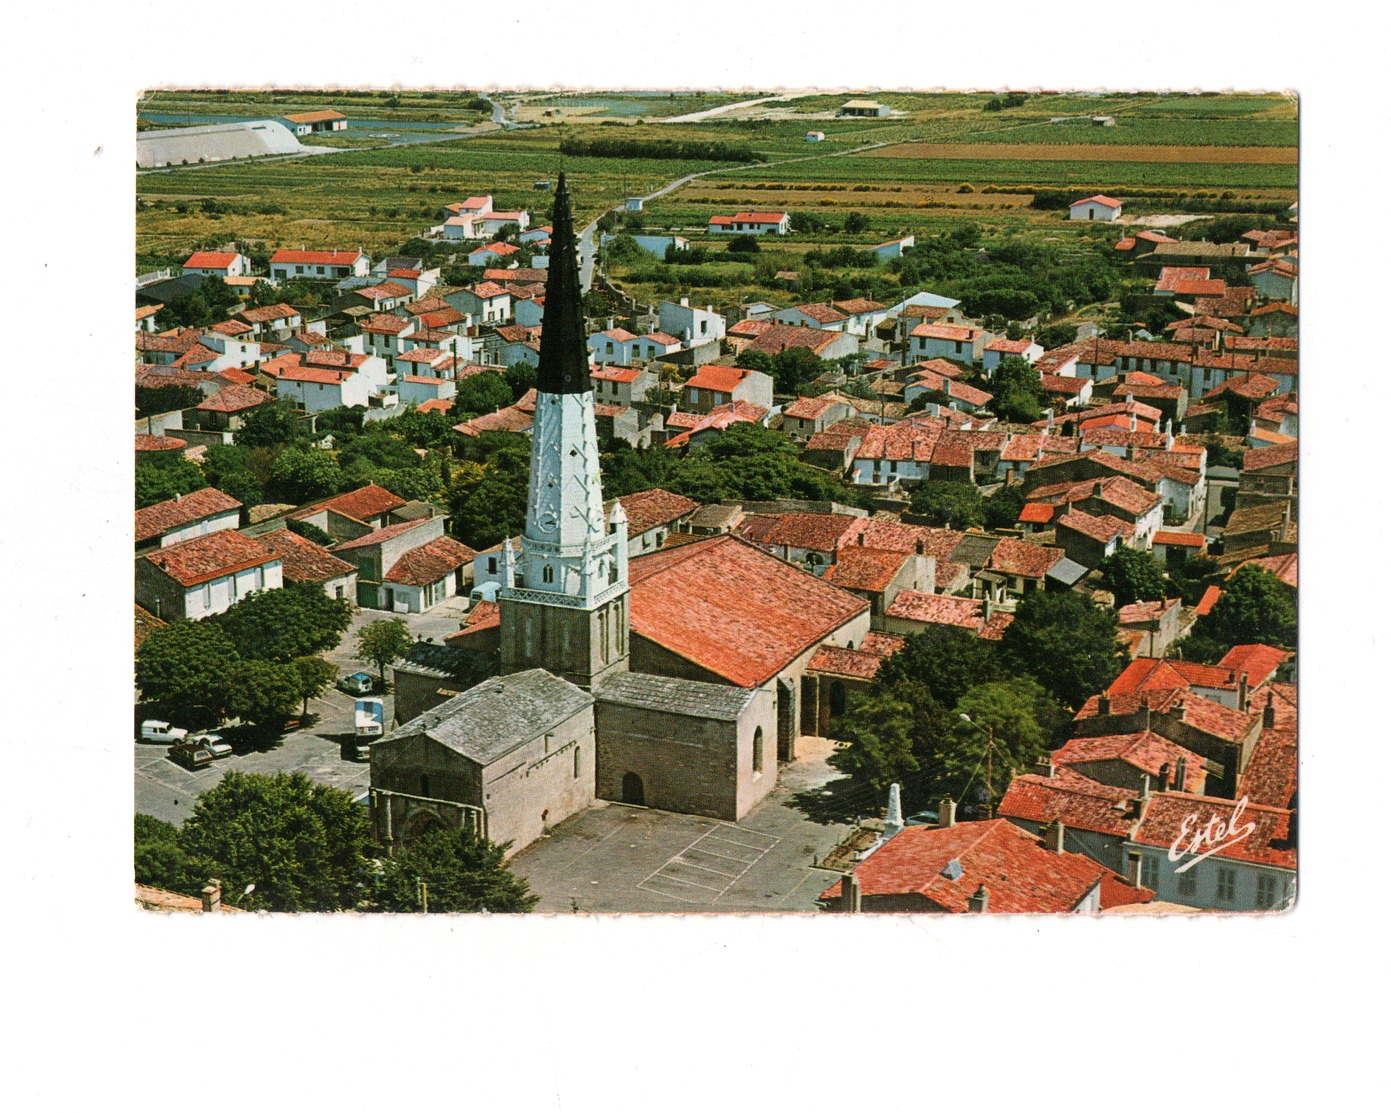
(621, 386)
(471, 206)
(614, 345)
(231, 351)
(462, 227)
(204, 575)
(482, 256)
(530, 311)
(691, 324)
(536, 235)
(493, 222)
(414, 389)
(1277, 279)
(218, 264)
(959, 342)
(486, 303)
(655, 245)
(319, 264)
(315, 389)
(195, 514)
(1098, 207)
(306, 123)
(813, 315)
(815, 136)
(751, 223)
(999, 348)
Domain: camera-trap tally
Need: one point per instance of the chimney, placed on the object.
(979, 901)
(178, 496)
(610, 325)
(1099, 489)
(1243, 695)
(1103, 704)
(849, 893)
(1053, 837)
(862, 540)
(212, 895)
(1144, 786)
(1268, 715)
(922, 546)
(1164, 777)
(1132, 868)
(1045, 766)
(946, 813)
(1181, 775)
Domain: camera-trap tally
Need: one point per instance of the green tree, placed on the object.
(946, 662)
(482, 393)
(183, 667)
(273, 425)
(462, 872)
(164, 399)
(303, 474)
(238, 471)
(262, 693)
(1132, 575)
(743, 245)
(1255, 607)
(161, 476)
(1055, 336)
(487, 498)
(521, 377)
(160, 860)
(879, 743)
(382, 643)
(306, 847)
(279, 625)
(1015, 719)
(1003, 507)
(1016, 386)
(855, 222)
(747, 461)
(958, 505)
(315, 674)
(1065, 643)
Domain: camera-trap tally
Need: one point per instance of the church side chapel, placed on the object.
(673, 683)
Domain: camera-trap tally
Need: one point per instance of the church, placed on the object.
(674, 682)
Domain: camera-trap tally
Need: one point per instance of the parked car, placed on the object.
(212, 743)
(355, 684)
(190, 756)
(157, 730)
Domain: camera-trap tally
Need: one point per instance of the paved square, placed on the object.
(617, 858)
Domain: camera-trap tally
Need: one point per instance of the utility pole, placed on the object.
(424, 897)
(990, 774)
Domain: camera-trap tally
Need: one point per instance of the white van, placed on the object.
(157, 730)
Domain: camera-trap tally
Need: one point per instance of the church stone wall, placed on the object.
(534, 787)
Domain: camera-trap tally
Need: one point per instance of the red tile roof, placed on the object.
(1276, 307)
(262, 314)
(1256, 458)
(1284, 567)
(384, 290)
(1146, 751)
(302, 561)
(732, 609)
(429, 563)
(234, 399)
(219, 260)
(861, 569)
(1076, 801)
(206, 558)
(1156, 674)
(964, 333)
(1016, 557)
(938, 610)
(1102, 527)
(334, 259)
(1209, 600)
(712, 376)
(1264, 831)
(1017, 873)
(841, 661)
(1203, 715)
(1258, 662)
(1100, 199)
(821, 313)
(172, 514)
(1014, 347)
(1037, 513)
(779, 338)
(809, 409)
(144, 442)
(377, 536)
(819, 532)
(647, 510)
(362, 505)
(1144, 612)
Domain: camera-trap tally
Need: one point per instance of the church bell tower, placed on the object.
(564, 596)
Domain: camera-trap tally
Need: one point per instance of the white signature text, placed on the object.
(1202, 842)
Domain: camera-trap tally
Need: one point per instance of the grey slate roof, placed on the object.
(974, 550)
(498, 715)
(671, 696)
(445, 662)
(1067, 571)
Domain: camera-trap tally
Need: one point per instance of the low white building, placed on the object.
(893, 248)
(218, 264)
(315, 389)
(751, 224)
(183, 517)
(204, 575)
(691, 324)
(1098, 207)
(999, 348)
(962, 343)
(319, 264)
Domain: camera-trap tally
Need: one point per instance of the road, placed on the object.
(724, 109)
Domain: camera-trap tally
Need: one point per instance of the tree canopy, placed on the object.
(160, 476)
(279, 625)
(183, 668)
(1132, 575)
(382, 642)
(1255, 607)
(958, 505)
(487, 495)
(1066, 643)
(462, 872)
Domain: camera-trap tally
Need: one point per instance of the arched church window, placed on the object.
(548, 575)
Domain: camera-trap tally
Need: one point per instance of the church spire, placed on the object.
(564, 359)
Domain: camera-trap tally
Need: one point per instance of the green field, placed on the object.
(422, 105)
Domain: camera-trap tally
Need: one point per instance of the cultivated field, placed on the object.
(1083, 152)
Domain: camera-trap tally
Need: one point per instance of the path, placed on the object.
(706, 113)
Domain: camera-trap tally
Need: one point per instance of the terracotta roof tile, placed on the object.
(845, 662)
(302, 561)
(234, 399)
(377, 536)
(646, 510)
(862, 569)
(205, 558)
(1268, 842)
(819, 532)
(172, 514)
(732, 609)
(1146, 751)
(362, 505)
(712, 376)
(1018, 874)
(1258, 662)
(938, 610)
(429, 563)
(1016, 557)
(1076, 801)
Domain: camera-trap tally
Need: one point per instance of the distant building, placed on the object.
(319, 264)
(204, 575)
(751, 224)
(870, 108)
(1098, 207)
(815, 136)
(218, 264)
(307, 123)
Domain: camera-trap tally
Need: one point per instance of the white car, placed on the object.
(212, 743)
(157, 730)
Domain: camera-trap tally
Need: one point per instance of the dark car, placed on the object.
(190, 755)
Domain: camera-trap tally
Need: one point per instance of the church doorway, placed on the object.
(787, 734)
(837, 698)
(632, 789)
(419, 822)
